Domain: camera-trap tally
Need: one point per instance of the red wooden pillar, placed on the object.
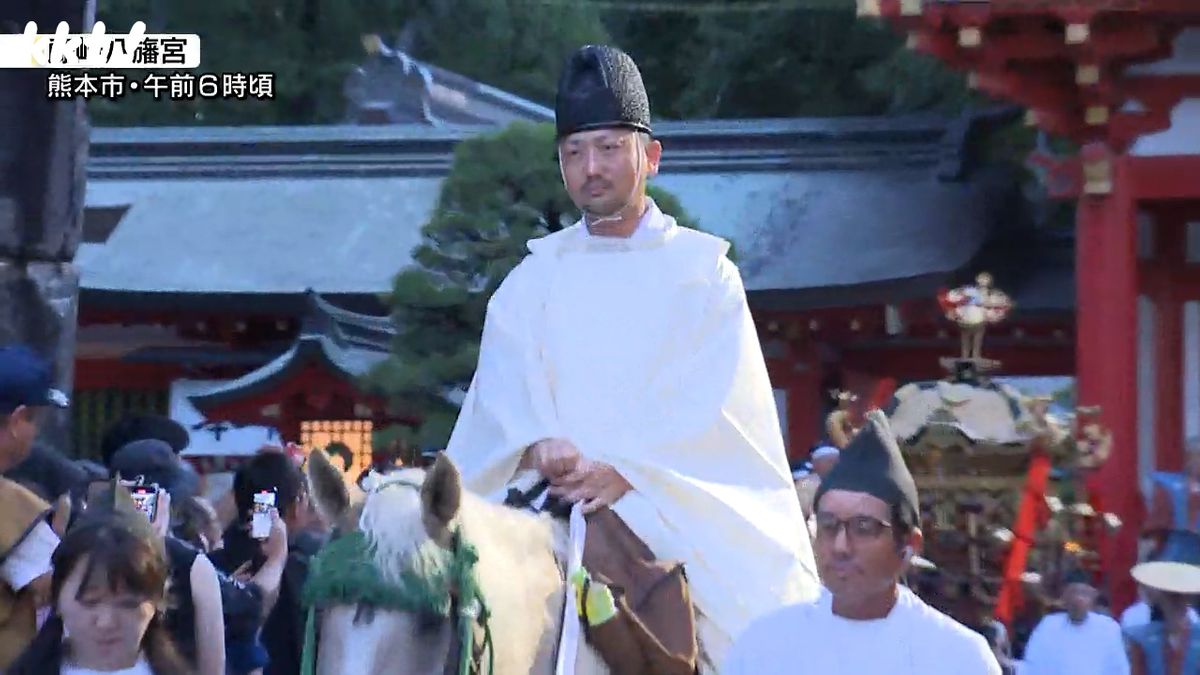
(1106, 359)
(1171, 256)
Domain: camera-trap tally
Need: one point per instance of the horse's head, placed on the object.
(391, 588)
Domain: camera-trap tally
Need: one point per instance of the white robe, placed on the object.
(913, 639)
(1059, 647)
(642, 352)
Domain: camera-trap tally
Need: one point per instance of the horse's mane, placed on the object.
(393, 522)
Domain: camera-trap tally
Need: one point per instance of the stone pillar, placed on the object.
(43, 156)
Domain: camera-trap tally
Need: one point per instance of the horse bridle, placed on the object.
(465, 656)
(467, 610)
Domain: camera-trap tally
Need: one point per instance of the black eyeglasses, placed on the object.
(859, 528)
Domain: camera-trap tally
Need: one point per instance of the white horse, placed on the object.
(409, 521)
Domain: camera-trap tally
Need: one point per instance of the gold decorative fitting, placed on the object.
(855, 325)
(869, 8)
(372, 44)
(1087, 75)
(1097, 177)
(1078, 33)
(1031, 118)
(970, 37)
(1096, 115)
(813, 324)
(911, 7)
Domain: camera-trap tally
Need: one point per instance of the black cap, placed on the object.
(26, 379)
(872, 463)
(156, 463)
(600, 88)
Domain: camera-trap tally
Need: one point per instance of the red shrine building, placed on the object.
(232, 277)
(1121, 79)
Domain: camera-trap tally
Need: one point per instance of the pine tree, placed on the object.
(503, 189)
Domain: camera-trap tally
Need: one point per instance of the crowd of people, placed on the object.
(95, 581)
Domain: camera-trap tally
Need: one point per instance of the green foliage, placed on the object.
(503, 190)
(311, 46)
(799, 63)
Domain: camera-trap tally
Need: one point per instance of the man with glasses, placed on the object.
(866, 622)
(26, 539)
(620, 363)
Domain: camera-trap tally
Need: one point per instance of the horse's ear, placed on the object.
(441, 493)
(327, 487)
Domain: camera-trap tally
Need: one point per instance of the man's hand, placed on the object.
(162, 514)
(554, 458)
(275, 547)
(593, 484)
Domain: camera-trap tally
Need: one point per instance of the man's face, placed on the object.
(603, 168)
(1174, 604)
(1078, 600)
(17, 431)
(857, 554)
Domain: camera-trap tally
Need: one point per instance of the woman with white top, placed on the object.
(109, 588)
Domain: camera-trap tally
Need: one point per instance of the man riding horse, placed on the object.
(620, 363)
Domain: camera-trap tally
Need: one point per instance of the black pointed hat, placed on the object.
(872, 463)
(601, 87)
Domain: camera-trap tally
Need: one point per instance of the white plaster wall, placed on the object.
(243, 441)
(1185, 57)
(1145, 392)
(1183, 138)
(1145, 235)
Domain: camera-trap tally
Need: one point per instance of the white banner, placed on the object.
(99, 50)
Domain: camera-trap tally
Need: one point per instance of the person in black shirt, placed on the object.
(242, 605)
(283, 631)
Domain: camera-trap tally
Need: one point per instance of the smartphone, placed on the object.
(145, 498)
(260, 517)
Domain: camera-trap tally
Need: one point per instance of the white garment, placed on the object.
(139, 668)
(642, 352)
(1059, 647)
(31, 558)
(1138, 614)
(914, 639)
